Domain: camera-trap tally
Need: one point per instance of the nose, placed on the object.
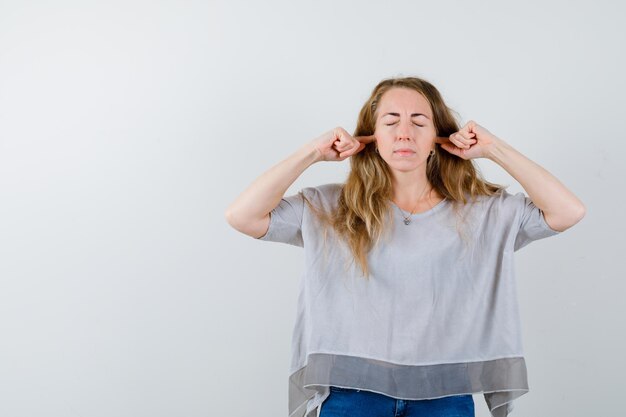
(404, 131)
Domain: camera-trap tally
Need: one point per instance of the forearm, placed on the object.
(544, 189)
(266, 191)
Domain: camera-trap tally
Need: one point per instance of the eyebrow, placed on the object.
(398, 115)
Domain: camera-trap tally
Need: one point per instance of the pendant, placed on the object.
(407, 221)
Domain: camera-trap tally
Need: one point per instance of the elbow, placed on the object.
(582, 210)
(235, 221)
(243, 224)
(577, 214)
(563, 222)
(230, 218)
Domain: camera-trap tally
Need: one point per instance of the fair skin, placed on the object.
(249, 213)
(405, 121)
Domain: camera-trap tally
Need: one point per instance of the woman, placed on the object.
(407, 302)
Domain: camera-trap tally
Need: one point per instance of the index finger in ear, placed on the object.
(441, 139)
(366, 139)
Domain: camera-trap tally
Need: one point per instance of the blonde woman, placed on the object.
(407, 302)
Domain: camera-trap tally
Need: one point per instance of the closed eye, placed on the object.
(390, 124)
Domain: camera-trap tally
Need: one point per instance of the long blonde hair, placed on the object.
(364, 206)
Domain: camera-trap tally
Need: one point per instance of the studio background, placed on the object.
(127, 128)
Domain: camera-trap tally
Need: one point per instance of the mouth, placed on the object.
(404, 152)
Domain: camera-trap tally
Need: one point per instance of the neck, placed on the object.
(411, 187)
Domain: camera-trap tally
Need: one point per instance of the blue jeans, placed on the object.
(347, 402)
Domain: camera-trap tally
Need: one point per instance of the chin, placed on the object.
(405, 167)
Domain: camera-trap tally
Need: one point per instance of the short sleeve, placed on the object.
(531, 223)
(286, 221)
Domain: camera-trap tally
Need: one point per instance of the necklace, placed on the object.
(407, 219)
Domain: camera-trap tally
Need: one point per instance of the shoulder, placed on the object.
(504, 205)
(509, 200)
(325, 193)
(500, 197)
(500, 203)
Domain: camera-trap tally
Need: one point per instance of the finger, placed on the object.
(350, 151)
(345, 154)
(343, 148)
(462, 141)
(346, 141)
(454, 138)
(346, 145)
(354, 150)
(450, 140)
(365, 139)
(463, 137)
(467, 143)
(451, 148)
(358, 141)
(342, 142)
(446, 139)
(441, 139)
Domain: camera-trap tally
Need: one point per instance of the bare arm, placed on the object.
(561, 208)
(249, 213)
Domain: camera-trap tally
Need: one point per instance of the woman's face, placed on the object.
(404, 122)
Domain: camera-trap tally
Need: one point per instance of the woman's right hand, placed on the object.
(338, 144)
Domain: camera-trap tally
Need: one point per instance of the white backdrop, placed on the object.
(128, 127)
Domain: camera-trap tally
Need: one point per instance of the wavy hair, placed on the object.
(364, 212)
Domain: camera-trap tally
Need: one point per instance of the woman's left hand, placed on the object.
(472, 141)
